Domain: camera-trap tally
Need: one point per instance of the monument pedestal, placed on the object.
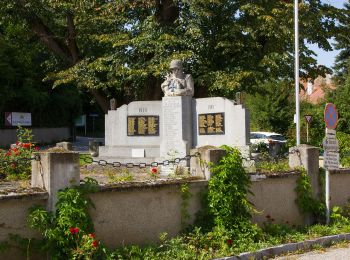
(177, 127)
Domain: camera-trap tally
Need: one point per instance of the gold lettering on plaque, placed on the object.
(142, 125)
(131, 125)
(210, 122)
(152, 125)
(202, 121)
(202, 130)
(218, 120)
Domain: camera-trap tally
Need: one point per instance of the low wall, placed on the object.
(41, 135)
(274, 196)
(13, 219)
(138, 214)
(339, 182)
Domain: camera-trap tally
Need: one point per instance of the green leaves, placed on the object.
(228, 189)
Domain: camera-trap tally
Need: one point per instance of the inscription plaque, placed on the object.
(143, 125)
(211, 124)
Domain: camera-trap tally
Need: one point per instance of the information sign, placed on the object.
(308, 118)
(18, 119)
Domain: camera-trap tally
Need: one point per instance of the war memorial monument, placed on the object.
(151, 131)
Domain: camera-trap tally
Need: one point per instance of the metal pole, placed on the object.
(327, 197)
(307, 132)
(296, 44)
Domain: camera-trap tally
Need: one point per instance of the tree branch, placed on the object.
(71, 42)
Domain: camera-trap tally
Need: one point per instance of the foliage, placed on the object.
(15, 164)
(273, 166)
(305, 200)
(185, 196)
(228, 191)
(271, 108)
(123, 49)
(344, 148)
(68, 232)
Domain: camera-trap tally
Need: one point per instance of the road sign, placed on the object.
(330, 116)
(308, 118)
(331, 150)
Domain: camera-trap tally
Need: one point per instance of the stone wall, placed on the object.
(41, 135)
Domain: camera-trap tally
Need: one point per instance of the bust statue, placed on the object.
(177, 83)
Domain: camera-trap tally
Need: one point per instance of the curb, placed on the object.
(288, 248)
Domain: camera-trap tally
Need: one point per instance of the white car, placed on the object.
(267, 138)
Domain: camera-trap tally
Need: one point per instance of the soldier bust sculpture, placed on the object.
(177, 83)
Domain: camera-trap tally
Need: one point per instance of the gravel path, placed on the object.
(342, 253)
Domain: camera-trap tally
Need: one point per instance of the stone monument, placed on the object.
(151, 131)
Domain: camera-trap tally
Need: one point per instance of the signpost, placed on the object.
(308, 119)
(330, 146)
(18, 119)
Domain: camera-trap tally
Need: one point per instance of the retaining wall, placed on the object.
(41, 135)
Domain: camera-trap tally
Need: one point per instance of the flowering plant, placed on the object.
(154, 172)
(86, 245)
(13, 165)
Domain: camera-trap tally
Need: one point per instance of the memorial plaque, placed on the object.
(143, 125)
(211, 124)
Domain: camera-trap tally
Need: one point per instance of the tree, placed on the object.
(123, 48)
(343, 44)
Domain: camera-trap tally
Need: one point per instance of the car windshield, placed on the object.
(277, 137)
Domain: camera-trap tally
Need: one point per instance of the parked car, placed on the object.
(267, 142)
(267, 138)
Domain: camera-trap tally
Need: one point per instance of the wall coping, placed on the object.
(273, 175)
(23, 194)
(340, 171)
(129, 186)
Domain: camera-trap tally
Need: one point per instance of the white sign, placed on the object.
(137, 153)
(331, 160)
(331, 147)
(19, 119)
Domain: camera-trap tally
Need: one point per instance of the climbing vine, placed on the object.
(185, 197)
(305, 200)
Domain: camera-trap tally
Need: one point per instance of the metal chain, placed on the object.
(19, 161)
(140, 165)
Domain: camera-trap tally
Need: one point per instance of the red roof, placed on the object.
(320, 84)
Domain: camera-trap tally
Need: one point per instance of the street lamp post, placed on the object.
(296, 44)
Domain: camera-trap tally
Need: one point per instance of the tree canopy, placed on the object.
(122, 48)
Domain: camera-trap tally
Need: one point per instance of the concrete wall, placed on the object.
(129, 215)
(13, 219)
(339, 182)
(41, 135)
(275, 196)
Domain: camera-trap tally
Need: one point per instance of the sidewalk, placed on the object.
(322, 254)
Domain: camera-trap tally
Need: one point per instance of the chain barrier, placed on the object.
(140, 165)
(18, 162)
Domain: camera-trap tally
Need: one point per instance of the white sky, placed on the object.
(323, 57)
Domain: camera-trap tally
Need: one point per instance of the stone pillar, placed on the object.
(307, 156)
(65, 145)
(55, 171)
(208, 154)
(93, 148)
(177, 126)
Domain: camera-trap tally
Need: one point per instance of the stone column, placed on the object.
(55, 171)
(177, 126)
(200, 164)
(307, 156)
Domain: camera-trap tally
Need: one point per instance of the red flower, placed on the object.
(74, 230)
(92, 235)
(94, 243)
(154, 170)
(26, 145)
(36, 148)
(229, 242)
(13, 165)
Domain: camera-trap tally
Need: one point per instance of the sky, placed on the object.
(323, 57)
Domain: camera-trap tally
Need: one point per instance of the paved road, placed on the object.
(82, 143)
(324, 254)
